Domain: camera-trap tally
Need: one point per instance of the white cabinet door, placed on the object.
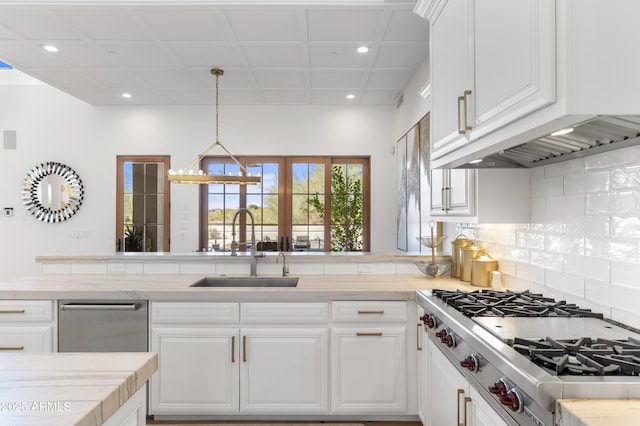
(514, 61)
(284, 371)
(453, 192)
(492, 62)
(447, 390)
(481, 413)
(369, 370)
(26, 339)
(198, 371)
(450, 75)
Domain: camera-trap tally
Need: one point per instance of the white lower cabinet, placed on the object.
(26, 326)
(369, 358)
(423, 370)
(198, 370)
(133, 412)
(448, 391)
(481, 412)
(211, 364)
(284, 371)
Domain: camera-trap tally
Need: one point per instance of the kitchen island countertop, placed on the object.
(598, 412)
(63, 389)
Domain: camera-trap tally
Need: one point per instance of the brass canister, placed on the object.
(456, 254)
(468, 253)
(482, 266)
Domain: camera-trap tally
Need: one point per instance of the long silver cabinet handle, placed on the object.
(461, 99)
(99, 307)
(14, 311)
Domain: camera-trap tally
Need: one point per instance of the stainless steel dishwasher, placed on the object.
(102, 326)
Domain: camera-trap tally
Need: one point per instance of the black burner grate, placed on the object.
(583, 356)
(510, 304)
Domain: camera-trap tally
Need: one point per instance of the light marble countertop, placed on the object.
(63, 389)
(169, 287)
(598, 412)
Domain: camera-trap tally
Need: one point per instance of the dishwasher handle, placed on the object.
(100, 307)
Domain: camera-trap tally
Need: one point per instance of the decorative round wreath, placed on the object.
(33, 187)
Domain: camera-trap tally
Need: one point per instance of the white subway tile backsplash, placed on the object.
(597, 226)
(553, 187)
(619, 250)
(306, 269)
(619, 203)
(616, 158)
(564, 168)
(547, 260)
(625, 177)
(621, 297)
(598, 181)
(575, 184)
(625, 227)
(516, 254)
(625, 274)
(568, 205)
(565, 244)
(538, 209)
(532, 240)
(507, 267)
(595, 269)
(567, 283)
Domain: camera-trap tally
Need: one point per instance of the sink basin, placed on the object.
(246, 282)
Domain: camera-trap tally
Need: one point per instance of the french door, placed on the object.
(142, 204)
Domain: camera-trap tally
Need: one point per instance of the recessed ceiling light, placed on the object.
(562, 131)
(126, 95)
(50, 48)
(351, 96)
(479, 160)
(363, 49)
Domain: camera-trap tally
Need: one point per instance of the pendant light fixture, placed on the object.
(188, 175)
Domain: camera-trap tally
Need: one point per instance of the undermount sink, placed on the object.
(246, 282)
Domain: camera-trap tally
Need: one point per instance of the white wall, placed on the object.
(583, 242)
(52, 126)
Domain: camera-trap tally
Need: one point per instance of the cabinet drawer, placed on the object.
(370, 311)
(284, 313)
(26, 310)
(194, 313)
(26, 339)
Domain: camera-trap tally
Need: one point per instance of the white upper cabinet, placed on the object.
(492, 62)
(507, 72)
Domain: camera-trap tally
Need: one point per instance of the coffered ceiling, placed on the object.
(273, 52)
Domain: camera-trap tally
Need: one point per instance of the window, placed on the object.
(291, 206)
(142, 204)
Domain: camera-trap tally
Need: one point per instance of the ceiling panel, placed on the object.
(294, 52)
(353, 26)
(184, 24)
(264, 24)
(99, 24)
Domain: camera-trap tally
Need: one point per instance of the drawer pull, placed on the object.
(15, 311)
(233, 349)
(369, 334)
(12, 348)
(370, 312)
(418, 346)
(244, 348)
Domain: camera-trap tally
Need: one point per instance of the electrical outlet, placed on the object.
(7, 211)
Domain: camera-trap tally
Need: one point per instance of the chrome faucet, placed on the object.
(285, 268)
(234, 249)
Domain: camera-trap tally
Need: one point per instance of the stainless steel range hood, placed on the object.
(593, 136)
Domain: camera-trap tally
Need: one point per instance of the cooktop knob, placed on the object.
(441, 333)
(448, 339)
(470, 362)
(500, 387)
(512, 399)
(430, 321)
